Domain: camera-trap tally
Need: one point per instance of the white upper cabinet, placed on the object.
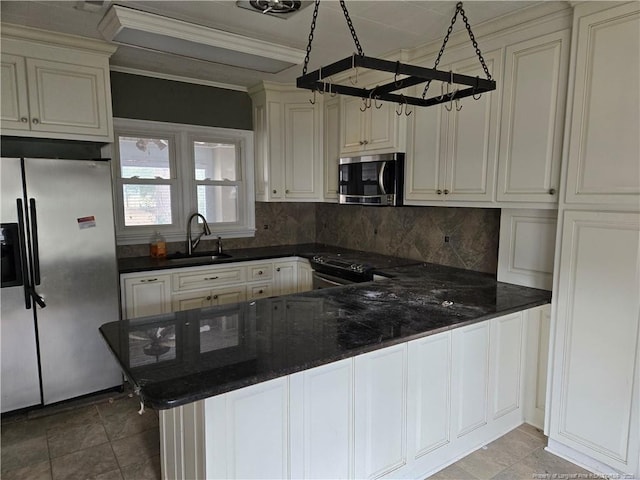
(534, 98)
(288, 155)
(331, 148)
(451, 154)
(374, 129)
(603, 150)
(54, 86)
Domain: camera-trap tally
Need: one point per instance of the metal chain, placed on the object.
(475, 44)
(313, 27)
(459, 9)
(351, 29)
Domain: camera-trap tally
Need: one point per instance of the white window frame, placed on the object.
(183, 183)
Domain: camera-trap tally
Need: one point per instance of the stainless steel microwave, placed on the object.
(371, 179)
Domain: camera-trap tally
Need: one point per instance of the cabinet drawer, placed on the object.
(207, 278)
(260, 272)
(256, 291)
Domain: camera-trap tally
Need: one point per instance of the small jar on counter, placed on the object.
(157, 246)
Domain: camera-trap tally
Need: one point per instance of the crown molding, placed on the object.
(48, 38)
(177, 78)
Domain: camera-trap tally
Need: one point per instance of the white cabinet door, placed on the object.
(15, 106)
(470, 379)
(537, 324)
(305, 276)
(321, 401)
(507, 363)
(380, 126)
(352, 125)
(534, 97)
(256, 431)
(235, 294)
(146, 295)
(285, 277)
(301, 134)
(429, 395)
(374, 129)
(191, 300)
(331, 150)
(67, 98)
(471, 147)
(380, 411)
(604, 145)
(595, 392)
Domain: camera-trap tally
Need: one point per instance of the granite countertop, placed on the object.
(306, 250)
(186, 356)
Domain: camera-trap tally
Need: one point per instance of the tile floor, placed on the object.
(108, 440)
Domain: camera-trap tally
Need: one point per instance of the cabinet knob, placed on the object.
(366, 142)
(439, 192)
(209, 297)
(24, 119)
(260, 291)
(275, 191)
(278, 269)
(35, 121)
(215, 297)
(552, 191)
(259, 272)
(286, 191)
(361, 142)
(446, 192)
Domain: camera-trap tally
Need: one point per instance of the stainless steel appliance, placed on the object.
(372, 179)
(333, 271)
(59, 280)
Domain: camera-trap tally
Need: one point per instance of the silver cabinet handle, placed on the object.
(24, 119)
(35, 121)
(552, 191)
(148, 280)
(211, 278)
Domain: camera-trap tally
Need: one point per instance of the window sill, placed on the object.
(142, 238)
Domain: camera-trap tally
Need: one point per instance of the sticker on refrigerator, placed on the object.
(86, 222)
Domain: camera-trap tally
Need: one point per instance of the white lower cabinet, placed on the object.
(595, 390)
(146, 294)
(187, 288)
(405, 411)
(380, 411)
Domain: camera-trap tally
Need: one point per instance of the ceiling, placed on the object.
(381, 26)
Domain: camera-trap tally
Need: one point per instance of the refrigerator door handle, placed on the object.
(34, 236)
(23, 255)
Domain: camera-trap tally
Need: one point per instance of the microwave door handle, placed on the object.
(23, 255)
(381, 178)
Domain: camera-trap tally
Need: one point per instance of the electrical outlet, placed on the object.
(265, 226)
(446, 239)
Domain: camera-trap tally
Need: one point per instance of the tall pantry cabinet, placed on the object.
(594, 393)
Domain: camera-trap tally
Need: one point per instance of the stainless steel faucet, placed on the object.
(192, 244)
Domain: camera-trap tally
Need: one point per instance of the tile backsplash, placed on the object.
(410, 232)
(419, 233)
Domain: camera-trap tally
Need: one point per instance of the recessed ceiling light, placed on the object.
(155, 32)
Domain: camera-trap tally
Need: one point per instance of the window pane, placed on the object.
(218, 203)
(144, 157)
(215, 161)
(147, 204)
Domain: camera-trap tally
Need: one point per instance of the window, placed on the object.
(163, 172)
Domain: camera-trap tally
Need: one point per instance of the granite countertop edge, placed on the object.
(219, 389)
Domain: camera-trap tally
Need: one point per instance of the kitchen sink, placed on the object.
(180, 257)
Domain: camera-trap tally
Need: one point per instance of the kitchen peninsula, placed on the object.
(395, 377)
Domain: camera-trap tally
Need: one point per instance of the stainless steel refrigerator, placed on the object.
(59, 280)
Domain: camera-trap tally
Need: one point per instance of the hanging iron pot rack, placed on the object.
(320, 80)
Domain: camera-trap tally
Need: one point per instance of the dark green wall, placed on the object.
(147, 98)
